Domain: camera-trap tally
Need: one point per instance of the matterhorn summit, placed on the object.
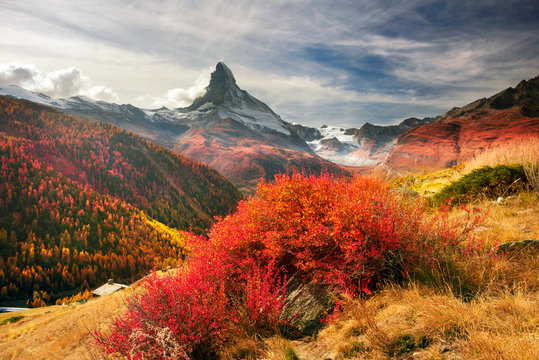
(229, 101)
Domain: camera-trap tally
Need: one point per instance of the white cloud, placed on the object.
(179, 97)
(59, 83)
(104, 93)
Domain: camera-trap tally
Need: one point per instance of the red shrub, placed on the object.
(195, 311)
(353, 233)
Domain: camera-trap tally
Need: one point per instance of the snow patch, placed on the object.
(20, 93)
(347, 160)
(329, 132)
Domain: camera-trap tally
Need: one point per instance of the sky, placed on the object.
(314, 62)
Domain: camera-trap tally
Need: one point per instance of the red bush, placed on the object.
(346, 231)
(353, 233)
(195, 311)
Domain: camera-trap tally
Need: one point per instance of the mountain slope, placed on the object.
(463, 132)
(71, 195)
(172, 189)
(227, 128)
(368, 145)
(58, 235)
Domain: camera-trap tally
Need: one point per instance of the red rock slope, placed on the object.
(462, 132)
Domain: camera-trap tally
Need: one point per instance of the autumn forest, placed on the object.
(81, 203)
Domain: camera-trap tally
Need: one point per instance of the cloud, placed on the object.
(179, 97)
(17, 73)
(427, 55)
(101, 92)
(59, 83)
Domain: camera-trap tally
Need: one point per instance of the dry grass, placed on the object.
(433, 320)
(525, 151)
(58, 332)
(418, 320)
(278, 348)
(61, 332)
(514, 219)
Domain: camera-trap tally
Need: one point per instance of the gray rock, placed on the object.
(306, 304)
(515, 246)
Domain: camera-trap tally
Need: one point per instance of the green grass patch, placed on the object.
(290, 354)
(486, 182)
(407, 343)
(12, 319)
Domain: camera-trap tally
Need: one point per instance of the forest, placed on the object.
(81, 202)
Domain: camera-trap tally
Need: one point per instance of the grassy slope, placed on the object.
(61, 332)
(57, 332)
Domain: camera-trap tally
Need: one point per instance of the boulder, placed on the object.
(307, 303)
(515, 246)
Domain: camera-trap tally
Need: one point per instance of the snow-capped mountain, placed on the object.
(226, 128)
(229, 101)
(17, 92)
(368, 145)
(242, 115)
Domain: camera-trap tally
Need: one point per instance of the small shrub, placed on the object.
(12, 319)
(489, 182)
(193, 314)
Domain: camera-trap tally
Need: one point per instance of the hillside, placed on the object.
(58, 332)
(226, 128)
(71, 199)
(428, 317)
(170, 188)
(462, 133)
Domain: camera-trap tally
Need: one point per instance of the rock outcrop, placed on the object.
(307, 303)
(463, 132)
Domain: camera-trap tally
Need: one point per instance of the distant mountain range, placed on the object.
(245, 140)
(226, 128)
(368, 145)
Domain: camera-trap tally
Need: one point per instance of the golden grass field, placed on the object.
(57, 332)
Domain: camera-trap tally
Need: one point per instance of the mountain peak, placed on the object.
(222, 82)
(229, 101)
(222, 73)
